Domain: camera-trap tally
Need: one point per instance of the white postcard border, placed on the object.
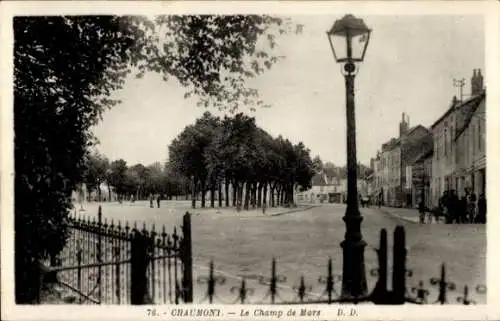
(489, 9)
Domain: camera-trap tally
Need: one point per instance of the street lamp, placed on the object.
(349, 38)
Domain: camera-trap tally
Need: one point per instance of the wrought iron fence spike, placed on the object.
(211, 282)
(302, 289)
(243, 291)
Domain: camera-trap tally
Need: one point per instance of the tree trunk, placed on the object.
(226, 187)
(272, 196)
(235, 193)
(212, 196)
(99, 192)
(259, 195)
(219, 194)
(203, 194)
(109, 192)
(247, 196)
(264, 197)
(253, 198)
(240, 196)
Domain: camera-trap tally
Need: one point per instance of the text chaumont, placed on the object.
(196, 312)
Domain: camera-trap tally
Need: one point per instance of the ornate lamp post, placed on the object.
(349, 38)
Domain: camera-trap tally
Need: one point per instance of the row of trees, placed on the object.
(217, 153)
(137, 180)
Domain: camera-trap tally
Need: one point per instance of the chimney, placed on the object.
(403, 125)
(476, 83)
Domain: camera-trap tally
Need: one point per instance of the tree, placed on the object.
(96, 168)
(155, 179)
(330, 169)
(139, 180)
(64, 67)
(120, 177)
(187, 151)
(64, 70)
(317, 163)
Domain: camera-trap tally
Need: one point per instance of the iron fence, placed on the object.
(327, 289)
(117, 263)
(120, 264)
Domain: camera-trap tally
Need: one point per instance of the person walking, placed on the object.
(158, 199)
(151, 200)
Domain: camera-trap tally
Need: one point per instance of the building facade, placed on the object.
(453, 135)
(421, 179)
(393, 165)
(470, 171)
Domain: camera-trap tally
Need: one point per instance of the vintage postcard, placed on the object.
(249, 160)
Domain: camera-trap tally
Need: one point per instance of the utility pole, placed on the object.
(459, 83)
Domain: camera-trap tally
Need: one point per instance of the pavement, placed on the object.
(406, 214)
(304, 239)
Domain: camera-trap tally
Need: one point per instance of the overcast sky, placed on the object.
(409, 67)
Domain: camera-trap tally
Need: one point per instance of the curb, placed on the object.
(398, 216)
(294, 210)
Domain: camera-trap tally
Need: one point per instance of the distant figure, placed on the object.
(421, 211)
(481, 209)
(462, 210)
(472, 206)
(151, 200)
(445, 207)
(453, 206)
(132, 199)
(264, 206)
(158, 199)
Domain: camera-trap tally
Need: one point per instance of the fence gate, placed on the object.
(118, 264)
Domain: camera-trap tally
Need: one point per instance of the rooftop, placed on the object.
(474, 104)
(459, 105)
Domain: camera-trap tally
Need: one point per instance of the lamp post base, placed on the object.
(353, 274)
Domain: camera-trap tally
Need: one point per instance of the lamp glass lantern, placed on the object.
(349, 39)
